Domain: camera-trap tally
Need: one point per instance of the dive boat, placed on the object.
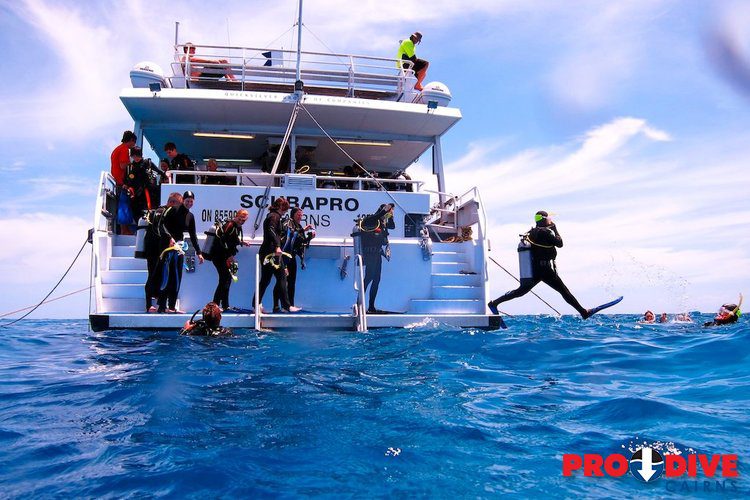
(336, 113)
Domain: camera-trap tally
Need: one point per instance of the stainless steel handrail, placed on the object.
(171, 174)
(359, 285)
(318, 68)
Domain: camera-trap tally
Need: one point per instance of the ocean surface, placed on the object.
(428, 412)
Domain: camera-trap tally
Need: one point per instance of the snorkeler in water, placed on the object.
(648, 317)
(728, 314)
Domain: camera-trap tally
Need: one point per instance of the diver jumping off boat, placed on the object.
(540, 245)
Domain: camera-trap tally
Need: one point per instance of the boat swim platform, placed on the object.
(290, 321)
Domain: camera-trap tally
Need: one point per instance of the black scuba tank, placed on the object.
(208, 246)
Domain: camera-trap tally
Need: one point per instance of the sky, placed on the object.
(627, 120)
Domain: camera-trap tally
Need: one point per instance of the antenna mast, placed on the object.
(299, 42)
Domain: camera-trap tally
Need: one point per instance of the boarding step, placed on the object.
(128, 277)
(131, 305)
(443, 306)
(449, 267)
(458, 279)
(123, 240)
(123, 251)
(297, 321)
(123, 291)
(456, 292)
(443, 256)
(126, 264)
(449, 247)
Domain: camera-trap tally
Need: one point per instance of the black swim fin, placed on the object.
(596, 309)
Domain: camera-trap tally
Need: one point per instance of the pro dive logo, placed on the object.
(684, 471)
(646, 464)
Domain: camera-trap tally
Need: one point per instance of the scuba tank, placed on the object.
(524, 259)
(357, 237)
(140, 238)
(208, 246)
(425, 243)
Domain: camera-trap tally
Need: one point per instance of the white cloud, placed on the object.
(654, 230)
(48, 190)
(16, 166)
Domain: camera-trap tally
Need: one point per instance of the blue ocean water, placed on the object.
(432, 412)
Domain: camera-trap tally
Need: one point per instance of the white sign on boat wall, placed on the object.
(330, 211)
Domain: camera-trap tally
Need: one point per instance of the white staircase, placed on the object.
(453, 290)
(123, 281)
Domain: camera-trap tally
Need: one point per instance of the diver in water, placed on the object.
(544, 237)
(210, 325)
(373, 233)
(728, 314)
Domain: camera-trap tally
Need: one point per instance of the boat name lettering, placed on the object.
(306, 203)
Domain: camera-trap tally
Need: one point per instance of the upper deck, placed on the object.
(237, 108)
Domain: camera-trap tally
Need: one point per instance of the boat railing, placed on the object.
(256, 297)
(105, 211)
(359, 286)
(248, 68)
(258, 178)
(447, 212)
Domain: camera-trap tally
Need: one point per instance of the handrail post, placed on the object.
(350, 90)
(360, 285)
(244, 66)
(256, 300)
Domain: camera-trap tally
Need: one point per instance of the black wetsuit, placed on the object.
(171, 263)
(296, 242)
(137, 179)
(273, 231)
(183, 162)
(189, 227)
(543, 253)
(227, 240)
(373, 242)
(156, 239)
(201, 329)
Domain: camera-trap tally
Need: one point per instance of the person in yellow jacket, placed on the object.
(406, 51)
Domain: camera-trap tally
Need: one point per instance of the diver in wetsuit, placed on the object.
(158, 238)
(543, 238)
(228, 238)
(171, 260)
(296, 241)
(136, 183)
(188, 225)
(272, 263)
(210, 325)
(373, 232)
